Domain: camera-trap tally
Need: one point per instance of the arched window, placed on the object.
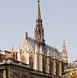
(31, 62)
(23, 59)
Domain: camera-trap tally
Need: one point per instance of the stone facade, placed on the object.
(10, 68)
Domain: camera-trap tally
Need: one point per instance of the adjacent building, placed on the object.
(71, 71)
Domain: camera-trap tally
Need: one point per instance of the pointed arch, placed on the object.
(23, 59)
(31, 62)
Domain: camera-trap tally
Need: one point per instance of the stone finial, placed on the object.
(26, 34)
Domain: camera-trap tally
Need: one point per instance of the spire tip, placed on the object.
(38, 1)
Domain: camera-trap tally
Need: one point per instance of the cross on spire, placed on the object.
(26, 34)
(38, 1)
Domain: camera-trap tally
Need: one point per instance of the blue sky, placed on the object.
(59, 22)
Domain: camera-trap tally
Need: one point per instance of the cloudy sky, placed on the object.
(59, 22)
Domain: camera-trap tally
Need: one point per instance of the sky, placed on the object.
(59, 22)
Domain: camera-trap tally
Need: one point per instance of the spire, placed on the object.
(38, 11)
(64, 53)
(39, 31)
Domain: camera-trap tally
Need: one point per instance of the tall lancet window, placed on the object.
(31, 62)
(44, 64)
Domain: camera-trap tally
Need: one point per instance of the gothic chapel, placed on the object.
(41, 56)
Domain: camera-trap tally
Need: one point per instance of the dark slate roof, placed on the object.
(33, 43)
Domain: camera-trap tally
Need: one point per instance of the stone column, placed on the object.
(54, 67)
(35, 57)
(48, 65)
(4, 74)
(18, 54)
(60, 68)
(35, 62)
(27, 55)
(40, 63)
(41, 59)
(48, 62)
